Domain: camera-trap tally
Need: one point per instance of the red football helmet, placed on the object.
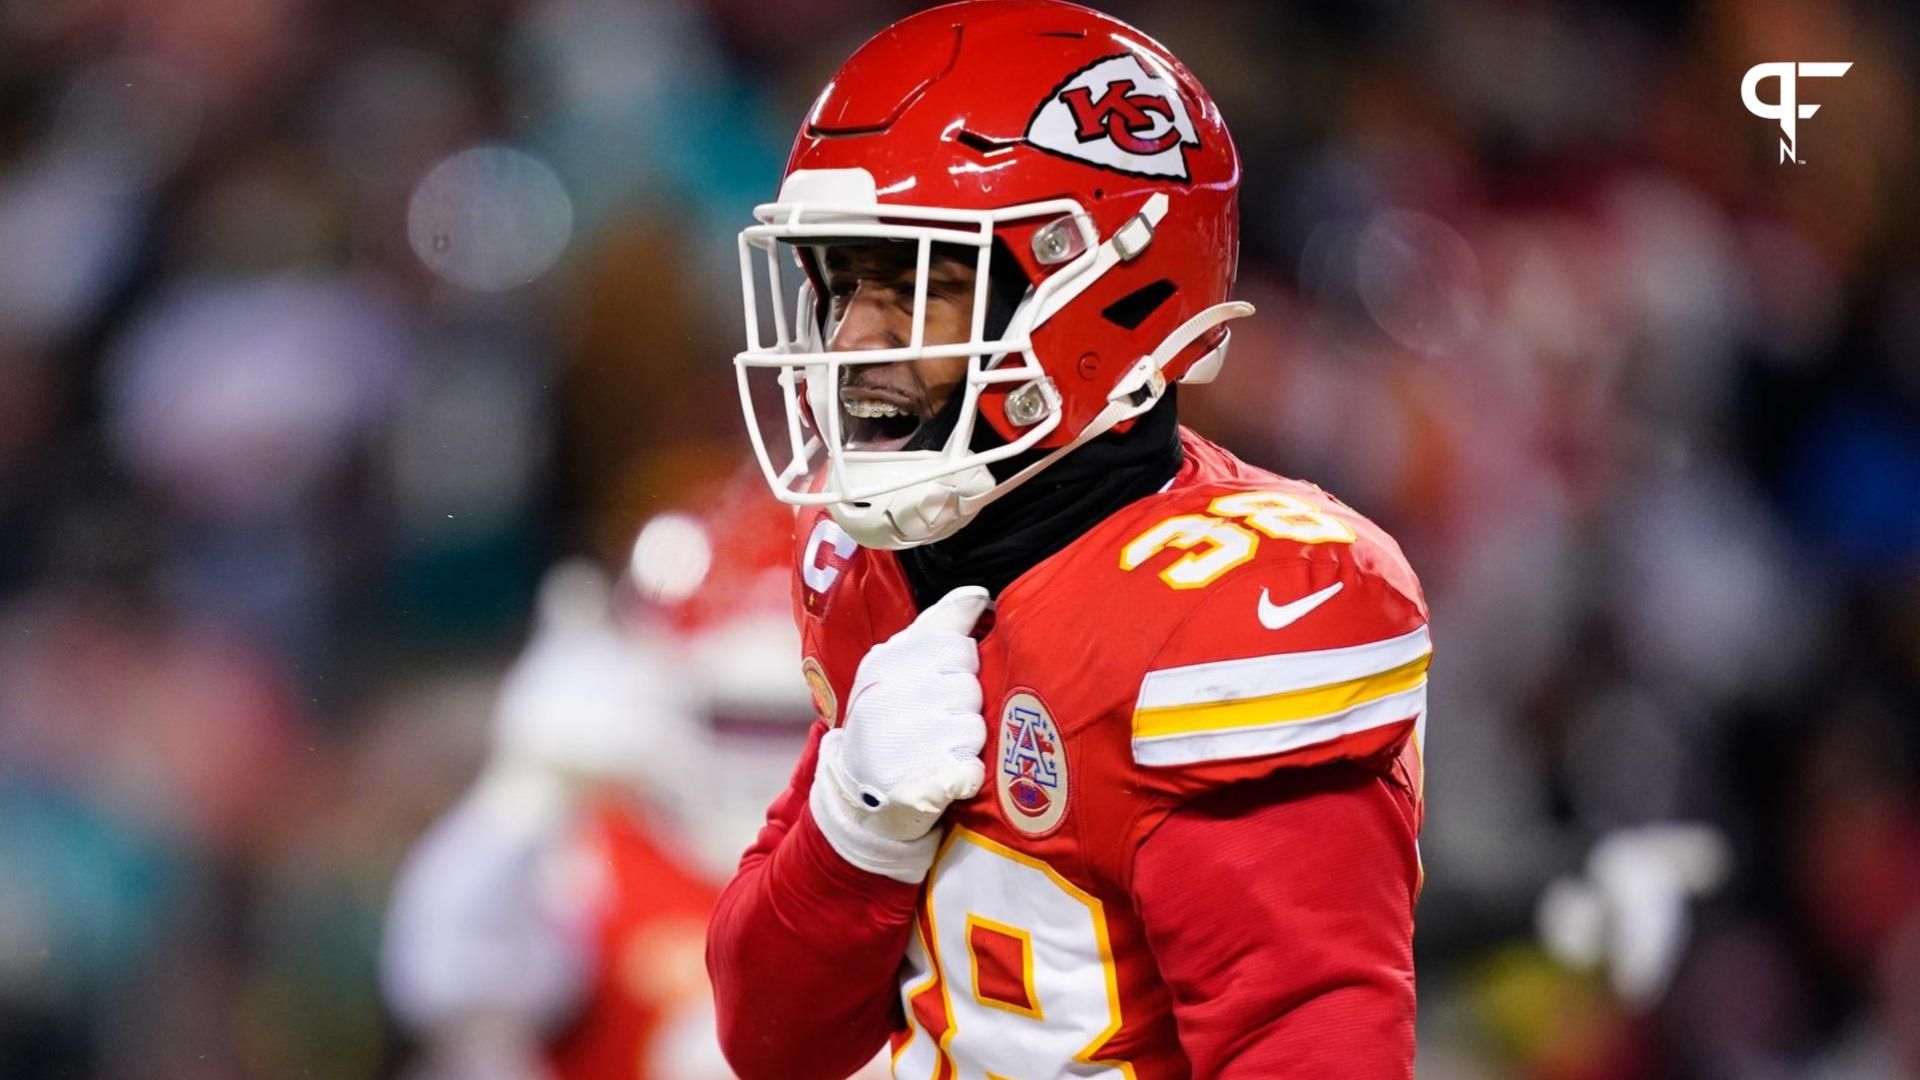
(1033, 131)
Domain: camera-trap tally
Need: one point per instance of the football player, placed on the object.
(1117, 772)
(551, 923)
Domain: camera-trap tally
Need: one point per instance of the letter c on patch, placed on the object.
(818, 571)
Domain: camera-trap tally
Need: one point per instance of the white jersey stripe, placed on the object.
(1281, 737)
(1263, 676)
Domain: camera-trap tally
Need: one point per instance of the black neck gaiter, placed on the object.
(1040, 517)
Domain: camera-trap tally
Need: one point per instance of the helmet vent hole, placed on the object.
(1076, 35)
(984, 145)
(1131, 310)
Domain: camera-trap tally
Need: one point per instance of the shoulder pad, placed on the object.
(1300, 633)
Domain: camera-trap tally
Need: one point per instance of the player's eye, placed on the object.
(946, 288)
(903, 294)
(840, 290)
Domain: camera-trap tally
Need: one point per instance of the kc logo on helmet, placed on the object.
(1787, 110)
(1117, 115)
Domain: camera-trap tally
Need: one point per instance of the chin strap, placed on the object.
(1137, 391)
(1146, 375)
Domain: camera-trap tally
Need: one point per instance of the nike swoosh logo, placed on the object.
(1278, 616)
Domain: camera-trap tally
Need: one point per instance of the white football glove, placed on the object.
(911, 743)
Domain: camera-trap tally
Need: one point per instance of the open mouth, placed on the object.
(878, 417)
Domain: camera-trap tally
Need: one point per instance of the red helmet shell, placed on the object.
(987, 104)
(727, 556)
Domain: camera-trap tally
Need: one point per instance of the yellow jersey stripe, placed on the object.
(1290, 707)
(1269, 739)
(1278, 673)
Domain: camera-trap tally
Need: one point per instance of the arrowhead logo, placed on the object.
(1279, 616)
(1117, 114)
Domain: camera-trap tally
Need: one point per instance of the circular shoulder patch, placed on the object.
(1033, 766)
(824, 703)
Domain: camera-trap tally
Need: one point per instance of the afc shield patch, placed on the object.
(1033, 766)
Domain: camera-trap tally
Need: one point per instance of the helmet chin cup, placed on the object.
(915, 514)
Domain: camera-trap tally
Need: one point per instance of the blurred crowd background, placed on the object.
(326, 325)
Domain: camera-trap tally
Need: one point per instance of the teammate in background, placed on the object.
(551, 924)
(1154, 815)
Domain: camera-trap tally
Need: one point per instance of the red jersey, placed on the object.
(649, 915)
(1194, 853)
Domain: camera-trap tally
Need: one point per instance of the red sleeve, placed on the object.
(804, 949)
(1308, 969)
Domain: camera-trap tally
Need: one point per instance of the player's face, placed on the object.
(870, 290)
